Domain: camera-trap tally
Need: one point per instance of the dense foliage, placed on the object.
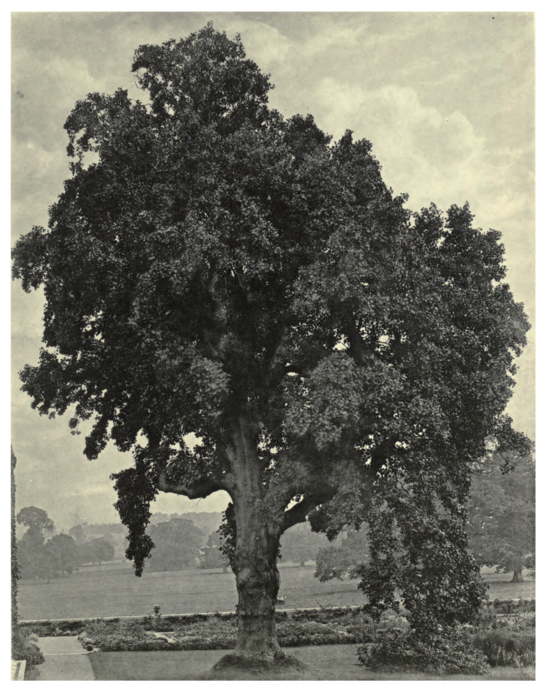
(214, 269)
(449, 651)
(390, 645)
(177, 545)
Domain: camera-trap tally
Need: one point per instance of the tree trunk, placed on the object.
(257, 583)
(255, 568)
(517, 567)
(518, 575)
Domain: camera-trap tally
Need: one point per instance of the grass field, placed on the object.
(113, 590)
(326, 662)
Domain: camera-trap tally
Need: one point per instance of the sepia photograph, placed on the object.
(273, 346)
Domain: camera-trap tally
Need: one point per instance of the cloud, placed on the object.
(264, 43)
(398, 124)
(428, 153)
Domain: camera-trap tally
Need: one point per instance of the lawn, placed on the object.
(326, 662)
(113, 590)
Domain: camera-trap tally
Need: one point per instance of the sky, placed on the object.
(446, 99)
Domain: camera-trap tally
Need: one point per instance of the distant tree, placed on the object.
(36, 518)
(105, 528)
(109, 539)
(299, 544)
(23, 645)
(502, 513)
(33, 562)
(177, 545)
(96, 551)
(50, 563)
(345, 557)
(65, 555)
(212, 555)
(29, 549)
(78, 533)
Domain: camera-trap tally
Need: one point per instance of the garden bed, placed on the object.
(217, 632)
(500, 639)
(496, 610)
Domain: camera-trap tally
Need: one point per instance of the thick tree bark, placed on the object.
(254, 562)
(257, 583)
(256, 547)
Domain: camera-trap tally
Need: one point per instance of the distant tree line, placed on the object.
(501, 526)
(42, 554)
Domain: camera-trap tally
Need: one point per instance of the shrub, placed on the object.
(513, 606)
(292, 634)
(506, 648)
(448, 651)
(25, 646)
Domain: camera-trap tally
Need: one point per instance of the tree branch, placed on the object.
(273, 351)
(299, 512)
(200, 488)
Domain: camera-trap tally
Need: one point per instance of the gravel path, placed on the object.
(66, 660)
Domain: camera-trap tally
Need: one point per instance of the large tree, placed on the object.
(177, 545)
(66, 549)
(32, 558)
(501, 513)
(214, 269)
(35, 519)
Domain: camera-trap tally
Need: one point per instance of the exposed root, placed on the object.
(257, 664)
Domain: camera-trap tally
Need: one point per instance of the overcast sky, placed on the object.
(447, 101)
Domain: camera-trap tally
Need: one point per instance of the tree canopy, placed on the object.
(35, 518)
(212, 268)
(38, 558)
(177, 545)
(62, 555)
